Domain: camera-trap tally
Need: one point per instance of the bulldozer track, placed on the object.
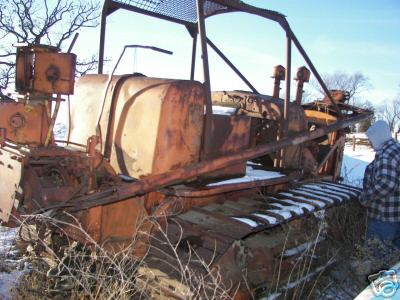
(211, 230)
(237, 219)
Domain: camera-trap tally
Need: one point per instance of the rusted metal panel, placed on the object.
(230, 134)
(24, 123)
(10, 174)
(319, 117)
(167, 113)
(180, 128)
(225, 209)
(267, 125)
(54, 73)
(179, 231)
(124, 221)
(218, 225)
(92, 222)
(41, 69)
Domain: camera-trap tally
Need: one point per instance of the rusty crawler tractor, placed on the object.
(225, 172)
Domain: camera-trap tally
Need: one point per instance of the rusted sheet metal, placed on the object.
(137, 107)
(157, 181)
(179, 231)
(230, 134)
(10, 174)
(266, 123)
(226, 209)
(41, 69)
(319, 117)
(52, 176)
(260, 106)
(24, 123)
(216, 223)
(346, 186)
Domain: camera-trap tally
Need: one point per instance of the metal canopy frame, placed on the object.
(198, 27)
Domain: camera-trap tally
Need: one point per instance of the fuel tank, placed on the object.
(146, 125)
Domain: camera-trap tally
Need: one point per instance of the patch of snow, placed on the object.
(9, 259)
(270, 219)
(251, 175)
(355, 162)
(295, 283)
(308, 193)
(342, 190)
(309, 207)
(320, 214)
(324, 192)
(7, 236)
(60, 131)
(284, 213)
(290, 208)
(308, 276)
(320, 204)
(272, 296)
(327, 192)
(301, 248)
(8, 282)
(223, 110)
(246, 221)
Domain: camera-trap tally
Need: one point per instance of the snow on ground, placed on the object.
(11, 266)
(251, 175)
(223, 110)
(355, 162)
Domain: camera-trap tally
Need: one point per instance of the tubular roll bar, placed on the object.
(111, 6)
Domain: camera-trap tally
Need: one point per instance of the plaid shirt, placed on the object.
(381, 185)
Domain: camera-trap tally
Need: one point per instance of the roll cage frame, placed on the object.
(196, 27)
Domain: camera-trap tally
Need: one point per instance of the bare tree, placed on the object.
(52, 22)
(390, 112)
(364, 125)
(354, 84)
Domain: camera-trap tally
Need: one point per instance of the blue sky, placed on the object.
(350, 36)
(338, 35)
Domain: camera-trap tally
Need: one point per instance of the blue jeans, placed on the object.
(384, 231)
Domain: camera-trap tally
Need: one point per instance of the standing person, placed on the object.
(381, 186)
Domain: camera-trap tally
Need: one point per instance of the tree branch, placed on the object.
(32, 21)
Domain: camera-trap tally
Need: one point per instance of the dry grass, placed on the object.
(348, 257)
(307, 266)
(356, 257)
(64, 269)
(61, 268)
(90, 272)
